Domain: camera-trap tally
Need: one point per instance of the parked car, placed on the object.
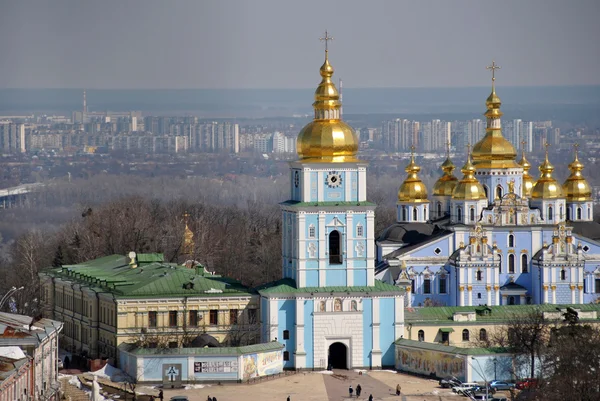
(527, 383)
(502, 386)
(464, 388)
(449, 382)
(179, 398)
(481, 389)
(481, 397)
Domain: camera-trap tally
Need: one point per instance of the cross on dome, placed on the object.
(493, 67)
(326, 39)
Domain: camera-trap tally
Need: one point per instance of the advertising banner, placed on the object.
(256, 365)
(429, 362)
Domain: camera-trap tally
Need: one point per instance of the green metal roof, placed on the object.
(326, 204)
(447, 330)
(288, 286)
(152, 279)
(444, 314)
(450, 349)
(216, 351)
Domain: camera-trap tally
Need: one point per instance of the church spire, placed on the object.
(528, 181)
(576, 187)
(446, 183)
(546, 187)
(412, 189)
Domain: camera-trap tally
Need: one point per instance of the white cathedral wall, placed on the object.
(343, 327)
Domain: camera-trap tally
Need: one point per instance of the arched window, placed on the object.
(578, 213)
(472, 212)
(568, 213)
(511, 263)
(465, 335)
(561, 213)
(421, 335)
(550, 216)
(589, 213)
(403, 213)
(511, 300)
(415, 214)
(425, 213)
(563, 274)
(499, 263)
(479, 275)
(335, 248)
(485, 189)
(359, 230)
(312, 231)
(412, 286)
(524, 267)
(427, 286)
(482, 335)
(439, 209)
(498, 192)
(458, 214)
(511, 241)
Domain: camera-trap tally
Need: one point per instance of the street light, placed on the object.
(495, 363)
(8, 294)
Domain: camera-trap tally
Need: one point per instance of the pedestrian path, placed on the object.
(337, 385)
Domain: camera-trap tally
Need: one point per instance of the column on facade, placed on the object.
(398, 316)
(488, 284)
(322, 250)
(573, 288)
(376, 351)
(409, 296)
(320, 186)
(470, 295)
(461, 295)
(273, 323)
(580, 288)
(553, 287)
(488, 289)
(300, 355)
(349, 249)
(301, 251)
(545, 290)
(370, 248)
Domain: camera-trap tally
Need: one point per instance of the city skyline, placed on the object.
(269, 44)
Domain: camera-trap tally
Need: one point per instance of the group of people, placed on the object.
(211, 398)
(358, 392)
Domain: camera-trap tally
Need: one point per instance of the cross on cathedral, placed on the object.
(493, 67)
(326, 38)
(576, 146)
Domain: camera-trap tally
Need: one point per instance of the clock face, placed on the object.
(296, 179)
(334, 179)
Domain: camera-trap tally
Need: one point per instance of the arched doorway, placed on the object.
(338, 356)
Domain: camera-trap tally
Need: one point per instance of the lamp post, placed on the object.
(8, 294)
(495, 363)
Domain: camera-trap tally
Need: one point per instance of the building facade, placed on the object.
(329, 310)
(497, 236)
(141, 299)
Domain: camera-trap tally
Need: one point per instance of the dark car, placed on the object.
(449, 382)
(527, 384)
(502, 386)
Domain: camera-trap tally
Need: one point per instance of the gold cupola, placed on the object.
(546, 187)
(469, 188)
(327, 138)
(493, 150)
(412, 189)
(576, 187)
(528, 181)
(444, 186)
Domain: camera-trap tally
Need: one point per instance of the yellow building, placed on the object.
(141, 299)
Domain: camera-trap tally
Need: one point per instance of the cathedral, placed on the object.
(496, 236)
(329, 310)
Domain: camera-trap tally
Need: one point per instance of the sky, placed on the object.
(256, 44)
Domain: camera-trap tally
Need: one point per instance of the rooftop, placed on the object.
(449, 349)
(499, 313)
(288, 286)
(149, 278)
(208, 351)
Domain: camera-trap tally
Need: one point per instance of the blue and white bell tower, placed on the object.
(328, 310)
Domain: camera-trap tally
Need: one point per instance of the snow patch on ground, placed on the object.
(111, 373)
(74, 380)
(386, 370)
(325, 372)
(195, 386)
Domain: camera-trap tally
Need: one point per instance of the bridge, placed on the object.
(15, 196)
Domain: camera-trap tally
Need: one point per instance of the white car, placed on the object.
(464, 387)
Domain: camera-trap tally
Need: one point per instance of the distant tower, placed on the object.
(84, 103)
(341, 107)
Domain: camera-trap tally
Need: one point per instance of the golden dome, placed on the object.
(528, 181)
(469, 188)
(327, 138)
(546, 187)
(444, 186)
(493, 150)
(412, 189)
(576, 187)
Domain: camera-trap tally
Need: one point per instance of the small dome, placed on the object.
(412, 189)
(528, 181)
(327, 138)
(576, 187)
(444, 186)
(546, 187)
(469, 188)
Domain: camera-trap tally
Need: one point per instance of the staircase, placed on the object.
(71, 392)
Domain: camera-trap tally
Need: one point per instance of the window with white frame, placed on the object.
(359, 230)
(312, 231)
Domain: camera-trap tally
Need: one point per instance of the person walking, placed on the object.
(350, 391)
(398, 389)
(160, 395)
(358, 390)
(288, 399)
(370, 397)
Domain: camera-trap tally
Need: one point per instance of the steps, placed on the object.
(71, 392)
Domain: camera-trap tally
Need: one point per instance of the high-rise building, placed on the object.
(12, 137)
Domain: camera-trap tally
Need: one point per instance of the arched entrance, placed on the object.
(338, 356)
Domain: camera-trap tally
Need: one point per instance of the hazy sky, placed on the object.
(274, 43)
